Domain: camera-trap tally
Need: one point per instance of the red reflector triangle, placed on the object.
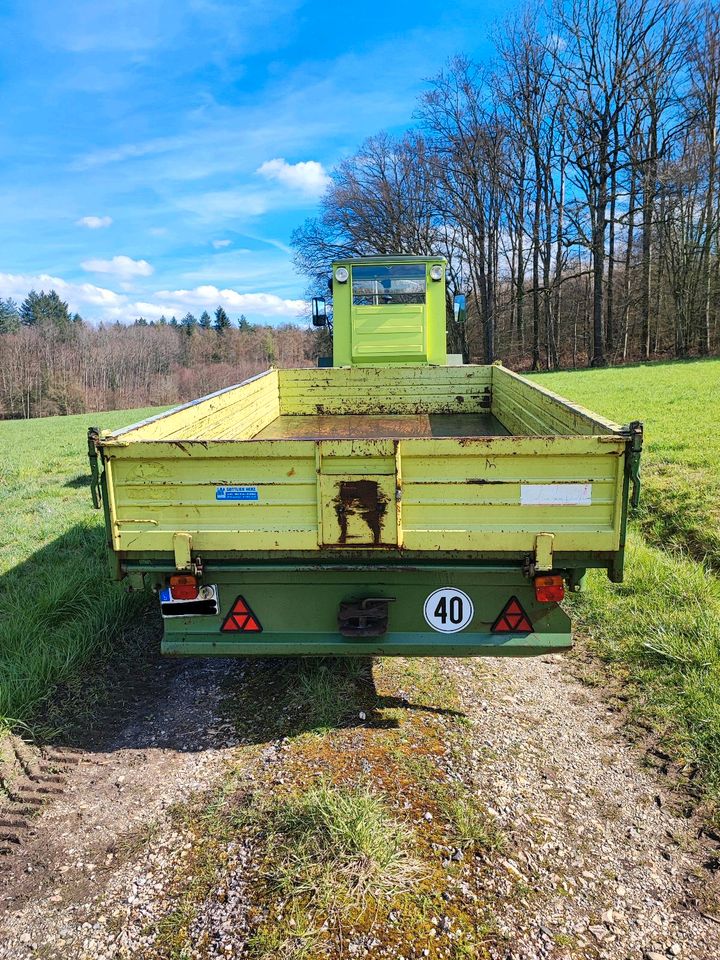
(512, 619)
(241, 619)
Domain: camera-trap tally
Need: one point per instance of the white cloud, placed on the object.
(219, 244)
(121, 267)
(263, 304)
(97, 304)
(94, 223)
(308, 176)
(78, 295)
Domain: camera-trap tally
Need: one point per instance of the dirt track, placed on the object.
(597, 863)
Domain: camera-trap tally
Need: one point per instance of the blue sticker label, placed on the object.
(165, 596)
(236, 493)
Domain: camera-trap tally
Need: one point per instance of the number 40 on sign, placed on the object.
(448, 610)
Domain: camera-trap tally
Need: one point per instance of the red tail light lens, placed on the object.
(184, 587)
(549, 589)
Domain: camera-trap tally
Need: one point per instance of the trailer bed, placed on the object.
(350, 427)
(416, 462)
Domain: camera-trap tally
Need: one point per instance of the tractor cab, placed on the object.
(387, 310)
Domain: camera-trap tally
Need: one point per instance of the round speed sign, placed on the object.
(448, 610)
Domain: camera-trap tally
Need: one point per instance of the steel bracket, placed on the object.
(544, 551)
(182, 545)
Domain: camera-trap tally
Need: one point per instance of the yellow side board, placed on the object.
(167, 475)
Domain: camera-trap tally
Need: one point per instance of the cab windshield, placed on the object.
(400, 283)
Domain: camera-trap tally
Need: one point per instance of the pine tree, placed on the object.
(243, 323)
(28, 309)
(141, 322)
(173, 321)
(222, 321)
(162, 322)
(9, 316)
(205, 321)
(45, 310)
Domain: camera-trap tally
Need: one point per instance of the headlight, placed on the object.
(436, 272)
(341, 274)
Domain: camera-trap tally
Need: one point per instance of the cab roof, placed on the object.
(390, 258)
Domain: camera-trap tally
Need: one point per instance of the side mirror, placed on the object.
(460, 308)
(319, 312)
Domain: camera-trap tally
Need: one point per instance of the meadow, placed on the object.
(59, 613)
(659, 631)
(657, 634)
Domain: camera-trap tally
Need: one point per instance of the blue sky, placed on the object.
(155, 156)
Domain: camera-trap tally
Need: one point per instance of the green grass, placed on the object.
(336, 845)
(322, 854)
(659, 631)
(679, 404)
(58, 609)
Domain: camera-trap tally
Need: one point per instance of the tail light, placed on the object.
(549, 589)
(184, 587)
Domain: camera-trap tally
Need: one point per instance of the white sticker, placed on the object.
(556, 494)
(448, 610)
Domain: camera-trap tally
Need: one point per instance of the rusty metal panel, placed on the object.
(163, 487)
(385, 390)
(235, 413)
(527, 409)
(468, 494)
(358, 511)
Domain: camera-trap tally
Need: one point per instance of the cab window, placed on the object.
(399, 283)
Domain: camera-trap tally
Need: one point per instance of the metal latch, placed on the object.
(544, 551)
(633, 460)
(364, 618)
(93, 435)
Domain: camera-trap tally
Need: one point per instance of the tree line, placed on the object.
(52, 362)
(573, 185)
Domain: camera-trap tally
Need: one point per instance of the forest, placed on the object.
(572, 183)
(573, 186)
(52, 362)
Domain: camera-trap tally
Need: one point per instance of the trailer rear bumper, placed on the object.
(297, 611)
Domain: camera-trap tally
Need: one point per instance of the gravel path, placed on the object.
(598, 865)
(612, 870)
(161, 746)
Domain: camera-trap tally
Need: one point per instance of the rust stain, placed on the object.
(361, 498)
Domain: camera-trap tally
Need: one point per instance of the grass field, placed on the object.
(659, 632)
(58, 610)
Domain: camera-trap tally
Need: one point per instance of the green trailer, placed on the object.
(398, 502)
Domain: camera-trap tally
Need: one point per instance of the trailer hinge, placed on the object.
(634, 449)
(93, 435)
(544, 551)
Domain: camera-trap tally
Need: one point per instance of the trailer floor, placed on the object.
(396, 426)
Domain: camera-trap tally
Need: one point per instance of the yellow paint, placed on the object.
(443, 494)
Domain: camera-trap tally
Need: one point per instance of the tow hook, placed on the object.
(364, 618)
